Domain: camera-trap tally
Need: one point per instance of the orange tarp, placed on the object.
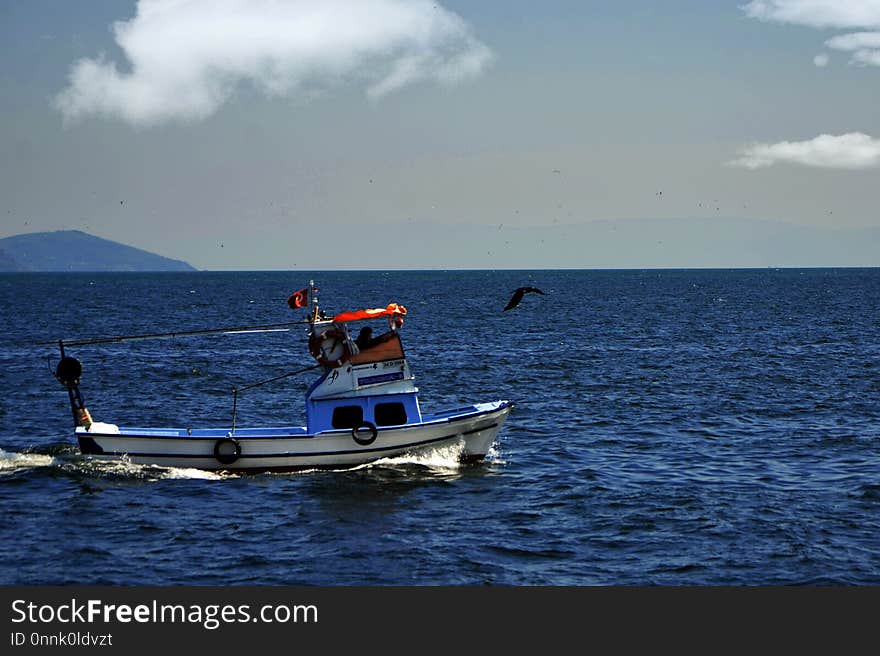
(359, 315)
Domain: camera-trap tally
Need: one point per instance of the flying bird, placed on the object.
(518, 295)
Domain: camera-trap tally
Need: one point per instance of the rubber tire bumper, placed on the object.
(222, 454)
(358, 436)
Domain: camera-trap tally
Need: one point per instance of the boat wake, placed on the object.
(12, 463)
(124, 468)
(441, 459)
(65, 460)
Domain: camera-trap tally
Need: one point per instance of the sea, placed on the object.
(671, 428)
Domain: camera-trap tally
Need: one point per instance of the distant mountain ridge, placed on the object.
(74, 250)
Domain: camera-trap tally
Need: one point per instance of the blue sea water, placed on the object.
(672, 427)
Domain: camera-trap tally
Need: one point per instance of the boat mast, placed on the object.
(313, 296)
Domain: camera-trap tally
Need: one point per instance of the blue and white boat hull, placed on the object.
(473, 427)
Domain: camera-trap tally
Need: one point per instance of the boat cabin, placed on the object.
(361, 388)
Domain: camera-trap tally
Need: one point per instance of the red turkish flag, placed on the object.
(298, 299)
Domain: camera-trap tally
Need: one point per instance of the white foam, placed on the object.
(124, 467)
(13, 462)
(190, 472)
(494, 455)
(121, 466)
(442, 458)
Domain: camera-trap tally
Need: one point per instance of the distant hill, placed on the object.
(8, 263)
(73, 250)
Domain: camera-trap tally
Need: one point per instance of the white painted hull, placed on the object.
(474, 427)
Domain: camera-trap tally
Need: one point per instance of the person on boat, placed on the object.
(364, 339)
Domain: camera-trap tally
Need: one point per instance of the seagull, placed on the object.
(518, 295)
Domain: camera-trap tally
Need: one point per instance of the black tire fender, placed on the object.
(221, 451)
(364, 433)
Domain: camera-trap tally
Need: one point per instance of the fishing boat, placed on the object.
(364, 406)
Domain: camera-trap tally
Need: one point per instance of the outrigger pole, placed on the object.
(266, 327)
(68, 372)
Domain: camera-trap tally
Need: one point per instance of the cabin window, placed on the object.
(390, 414)
(347, 416)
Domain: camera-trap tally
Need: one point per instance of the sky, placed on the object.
(383, 134)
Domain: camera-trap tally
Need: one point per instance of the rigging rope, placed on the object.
(236, 390)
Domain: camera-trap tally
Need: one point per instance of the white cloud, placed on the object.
(821, 60)
(867, 57)
(865, 47)
(855, 41)
(188, 57)
(841, 14)
(847, 151)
